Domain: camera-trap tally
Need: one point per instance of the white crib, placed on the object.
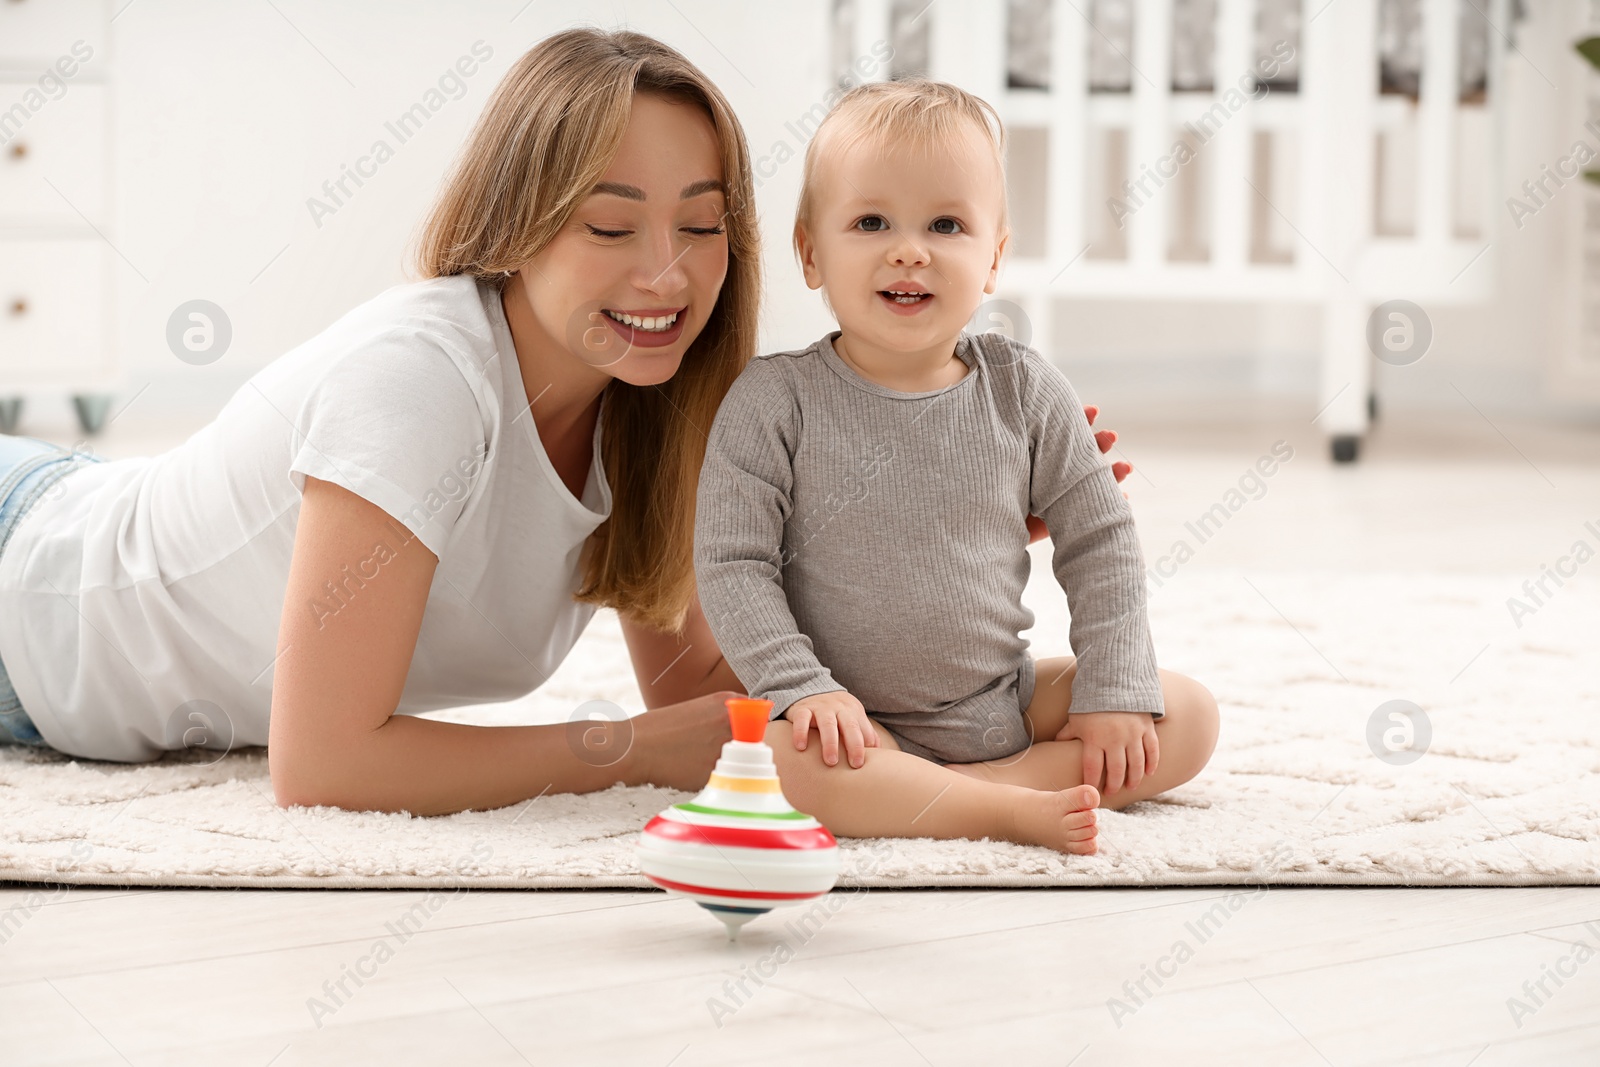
(1305, 162)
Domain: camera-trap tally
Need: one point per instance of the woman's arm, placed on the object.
(672, 668)
(334, 738)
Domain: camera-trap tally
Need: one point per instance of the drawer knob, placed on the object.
(19, 306)
(19, 150)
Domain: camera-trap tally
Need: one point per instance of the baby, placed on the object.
(861, 532)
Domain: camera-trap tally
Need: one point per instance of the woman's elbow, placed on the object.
(288, 790)
(296, 783)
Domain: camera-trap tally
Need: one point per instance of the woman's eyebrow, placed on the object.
(704, 185)
(633, 192)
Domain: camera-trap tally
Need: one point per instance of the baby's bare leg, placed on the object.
(896, 794)
(1187, 734)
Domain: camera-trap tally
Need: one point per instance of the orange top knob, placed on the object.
(749, 717)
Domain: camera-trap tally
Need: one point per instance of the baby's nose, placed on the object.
(907, 252)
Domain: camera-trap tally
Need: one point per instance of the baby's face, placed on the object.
(888, 220)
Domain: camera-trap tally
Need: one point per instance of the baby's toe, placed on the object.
(1082, 796)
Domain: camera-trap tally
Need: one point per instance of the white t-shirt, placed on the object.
(149, 591)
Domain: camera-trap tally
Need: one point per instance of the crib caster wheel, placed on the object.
(92, 410)
(1345, 446)
(10, 414)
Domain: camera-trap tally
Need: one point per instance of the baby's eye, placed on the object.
(873, 223)
(598, 232)
(945, 226)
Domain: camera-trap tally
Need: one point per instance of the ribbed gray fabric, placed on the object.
(848, 536)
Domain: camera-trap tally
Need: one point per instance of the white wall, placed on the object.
(230, 120)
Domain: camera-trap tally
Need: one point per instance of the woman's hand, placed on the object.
(834, 715)
(1119, 470)
(1105, 439)
(1121, 744)
(677, 746)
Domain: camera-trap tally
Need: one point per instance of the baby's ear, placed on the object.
(999, 253)
(805, 251)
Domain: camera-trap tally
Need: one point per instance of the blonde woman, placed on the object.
(422, 506)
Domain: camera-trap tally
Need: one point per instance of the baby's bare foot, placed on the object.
(1064, 820)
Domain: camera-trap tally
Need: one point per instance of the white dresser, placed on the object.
(57, 235)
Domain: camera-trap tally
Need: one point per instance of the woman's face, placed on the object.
(630, 281)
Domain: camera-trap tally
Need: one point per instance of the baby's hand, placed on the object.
(833, 714)
(1120, 743)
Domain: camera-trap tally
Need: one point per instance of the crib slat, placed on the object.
(872, 26)
(1228, 152)
(1339, 84)
(985, 32)
(1436, 116)
(950, 51)
(1493, 185)
(1151, 135)
(1069, 80)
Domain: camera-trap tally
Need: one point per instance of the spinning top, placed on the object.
(738, 849)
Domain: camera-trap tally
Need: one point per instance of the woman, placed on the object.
(422, 506)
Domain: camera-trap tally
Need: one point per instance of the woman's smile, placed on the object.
(655, 329)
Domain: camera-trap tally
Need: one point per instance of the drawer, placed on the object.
(64, 141)
(35, 33)
(52, 308)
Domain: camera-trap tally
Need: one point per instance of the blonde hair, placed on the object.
(918, 112)
(546, 137)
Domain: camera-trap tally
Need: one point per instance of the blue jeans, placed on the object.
(28, 468)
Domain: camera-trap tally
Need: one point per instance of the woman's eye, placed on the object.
(872, 223)
(598, 232)
(703, 231)
(946, 226)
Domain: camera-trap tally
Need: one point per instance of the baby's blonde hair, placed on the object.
(916, 111)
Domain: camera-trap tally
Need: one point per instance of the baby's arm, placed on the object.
(745, 495)
(1099, 564)
(1103, 439)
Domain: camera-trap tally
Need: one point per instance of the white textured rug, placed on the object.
(1506, 793)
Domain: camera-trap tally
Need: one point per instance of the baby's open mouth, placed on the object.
(647, 323)
(905, 296)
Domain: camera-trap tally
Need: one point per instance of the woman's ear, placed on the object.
(808, 257)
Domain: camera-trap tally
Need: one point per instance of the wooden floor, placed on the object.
(1275, 976)
(1284, 976)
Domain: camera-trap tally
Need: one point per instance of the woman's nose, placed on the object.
(663, 271)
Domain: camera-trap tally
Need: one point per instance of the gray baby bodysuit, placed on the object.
(849, 536)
